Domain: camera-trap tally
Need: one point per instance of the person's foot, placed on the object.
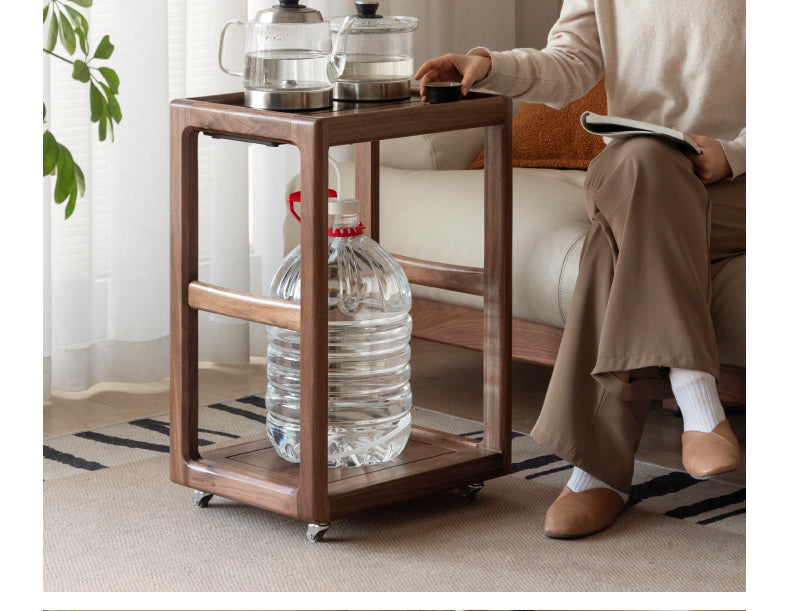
(579, 514)
(713, 453)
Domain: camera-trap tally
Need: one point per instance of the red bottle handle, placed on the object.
(296, 197)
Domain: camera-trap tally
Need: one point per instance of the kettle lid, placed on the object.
(289, 11)
(368, 21)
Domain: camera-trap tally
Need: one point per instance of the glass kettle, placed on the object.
(289, 61)
(379, 55)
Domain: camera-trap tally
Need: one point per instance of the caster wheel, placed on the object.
(469, 492)
(201, 499)
(316, 532)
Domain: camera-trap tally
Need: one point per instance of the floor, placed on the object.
(444, 378)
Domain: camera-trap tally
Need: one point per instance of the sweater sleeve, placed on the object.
(735, 152)
(568, 67)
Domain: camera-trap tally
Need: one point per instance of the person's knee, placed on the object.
(647, 160)
(644, 182)
(653, 155)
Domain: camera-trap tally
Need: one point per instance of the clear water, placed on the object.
(287, 69)
(369, 333)
(378, 68)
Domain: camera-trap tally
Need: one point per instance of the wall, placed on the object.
(534, 18)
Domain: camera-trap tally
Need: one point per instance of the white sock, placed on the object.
(581, 481)
(698, 399)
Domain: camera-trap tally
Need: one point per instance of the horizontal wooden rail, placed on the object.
(265, 310)
(458, 325)
(442, 275)
(534, 343)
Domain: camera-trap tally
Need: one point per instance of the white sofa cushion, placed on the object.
(454, 150)
(438, 216)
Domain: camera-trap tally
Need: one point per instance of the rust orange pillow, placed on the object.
(547, 138)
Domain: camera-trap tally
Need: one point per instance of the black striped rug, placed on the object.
(675, 494)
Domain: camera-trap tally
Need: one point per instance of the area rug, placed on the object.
(113, 521)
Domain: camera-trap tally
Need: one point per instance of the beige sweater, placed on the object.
(678, 63)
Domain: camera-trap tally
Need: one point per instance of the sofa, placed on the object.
(430, 208)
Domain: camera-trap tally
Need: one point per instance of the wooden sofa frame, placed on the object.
(532, 342)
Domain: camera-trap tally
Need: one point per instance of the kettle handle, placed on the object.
(222, 44)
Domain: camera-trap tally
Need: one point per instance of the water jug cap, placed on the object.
(337, 207)
(343, 206)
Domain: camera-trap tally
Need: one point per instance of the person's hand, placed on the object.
(468, 69)
(711, 164)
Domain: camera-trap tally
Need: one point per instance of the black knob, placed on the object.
(290, 4)
(367, 9)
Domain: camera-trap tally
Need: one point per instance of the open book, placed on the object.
(619, 127)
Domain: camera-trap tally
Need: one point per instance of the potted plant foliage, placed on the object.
(64, 23)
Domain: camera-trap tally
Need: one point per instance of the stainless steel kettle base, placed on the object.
(371, 91)
(288, 100)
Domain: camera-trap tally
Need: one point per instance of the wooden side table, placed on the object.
(432, 460)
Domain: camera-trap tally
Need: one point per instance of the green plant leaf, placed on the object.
(103, 128)
(45, 112)
(81, 71)
(105, 48)
(80, 179)
(50, 153)
(114, 107)
(77, 18)
(111, 77)
(52, 34)
(65, 169)
(98, 104)
(85, 3)
(72, 202)
(83, 39)
(112, 104)
(67, 38)
(46, 12)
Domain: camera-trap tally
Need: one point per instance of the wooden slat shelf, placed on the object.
(354, 489)
(432, 460)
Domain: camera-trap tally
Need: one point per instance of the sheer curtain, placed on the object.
(106, 269)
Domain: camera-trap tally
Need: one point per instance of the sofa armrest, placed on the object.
(441, 151)
(454, 150)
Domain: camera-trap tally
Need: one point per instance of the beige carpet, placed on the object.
(128, 528)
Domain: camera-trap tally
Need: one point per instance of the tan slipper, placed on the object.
(707, 454)
(578, 514)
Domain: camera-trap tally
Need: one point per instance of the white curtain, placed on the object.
(106, 269)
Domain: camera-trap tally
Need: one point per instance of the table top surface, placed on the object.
(235, 102)
(225, 115)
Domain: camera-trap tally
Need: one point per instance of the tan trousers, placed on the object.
(641, 302)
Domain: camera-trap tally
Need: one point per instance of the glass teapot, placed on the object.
(289, 61)
(379, 55)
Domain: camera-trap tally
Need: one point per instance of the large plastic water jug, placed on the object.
(369, 332)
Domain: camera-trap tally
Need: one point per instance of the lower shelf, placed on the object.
(432, 461)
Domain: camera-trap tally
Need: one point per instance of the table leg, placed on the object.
(366, 185)
(313, 501)
(183, 319)
(497, 292)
